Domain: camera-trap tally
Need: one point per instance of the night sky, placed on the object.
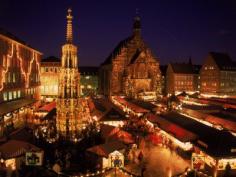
(173, 29)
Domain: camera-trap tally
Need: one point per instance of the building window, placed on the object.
(46, 89)
(14, 95)
(55, 88)
(5, 96)
(14, 77)
(10, 95)
(87, 77)
(19, 93)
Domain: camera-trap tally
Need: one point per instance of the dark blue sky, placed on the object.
(173, 29)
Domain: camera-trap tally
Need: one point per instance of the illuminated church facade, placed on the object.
(131, 69)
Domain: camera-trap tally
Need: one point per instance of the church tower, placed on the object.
(68, 120)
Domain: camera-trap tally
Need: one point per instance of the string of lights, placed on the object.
(6, 63)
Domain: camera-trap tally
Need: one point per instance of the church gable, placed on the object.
(134, 69)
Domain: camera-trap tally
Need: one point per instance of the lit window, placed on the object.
(46, 89)
(10, 95)
(14, 95)
(89, 86)
(14, 77)
(19, 93)
(5, 96)
(55, 88)
(87, 77)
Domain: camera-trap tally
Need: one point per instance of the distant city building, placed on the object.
(218, 75)
(131, 69)
(50, 68)
(50, 71)
(163, 69)
(19, 79)
(88, 80)
(182, 77)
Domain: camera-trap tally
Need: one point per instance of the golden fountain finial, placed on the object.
(69, 33)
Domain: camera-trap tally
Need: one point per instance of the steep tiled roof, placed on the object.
(105, 149)
(15, 38)
(90, 70)
(184, 68)
(11, 36)
(223, 61)
(113, 115)
(135, 56)
(51, 59)
(117, 50)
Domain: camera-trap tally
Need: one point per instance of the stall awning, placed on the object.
(105, 149)
(15, 148)
(48, 107)
(178, 132)
(133, 107)
(14, 105)
(122, 136)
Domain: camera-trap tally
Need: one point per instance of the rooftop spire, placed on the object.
(69, 33)
(137, 24)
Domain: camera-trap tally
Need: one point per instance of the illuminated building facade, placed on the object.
(88, 80)
(69, 121)
(182, 77)
(131, 69)
(50, 68)
(19, 79)
(218, 75)
(163, 69)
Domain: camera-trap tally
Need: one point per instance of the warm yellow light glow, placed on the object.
(24, 73)
(183, 145)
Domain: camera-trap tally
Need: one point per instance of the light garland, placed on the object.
(98, 172)
(24, 73)
(7, 67)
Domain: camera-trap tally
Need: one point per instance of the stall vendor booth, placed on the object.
(109, 154)
(13, 153)
(216, 156)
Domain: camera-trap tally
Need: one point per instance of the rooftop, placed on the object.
(215, 142)
(104, 150)
(51, 59)
(15, 38)
(185, 68)
(223, 61)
